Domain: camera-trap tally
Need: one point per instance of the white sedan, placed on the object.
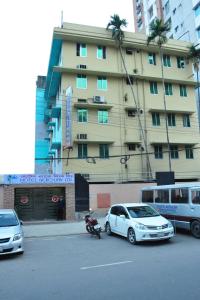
(138, 222)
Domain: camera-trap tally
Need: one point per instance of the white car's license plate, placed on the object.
(160, 234)
(97, 226)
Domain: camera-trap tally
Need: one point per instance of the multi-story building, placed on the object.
(41, 136)
(145, 11)
(182, 15)
(109, 128)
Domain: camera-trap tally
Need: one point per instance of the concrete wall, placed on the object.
(1, 196)
(118, 193)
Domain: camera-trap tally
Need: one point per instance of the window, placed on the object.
(174, 152)
(103, 151)
(166, 8)
(102, 83)
(179, 195)
(168, 89)
(82, 115)
(198, 33)
(147, 196)
(169, 22)
(180, 62)
(82, 150)
(152, 59)
(150, 11)
(183, 90)
(189, 152)
(131, 147)
(166, 60)
(81, 81)
(81, 50)
(129, 80)
(161, 196)
(153, 87)
(176, 28)
(156, 119)
(186, 120)
(131, 112)
(103, 116)
(101, 52)
(197, 10)
(196, 197)
(171, 119)
(158, 151)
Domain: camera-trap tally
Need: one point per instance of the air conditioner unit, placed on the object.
(81, 67)
(81, 136)
(129, 50)
(98, 99)
(132, 112)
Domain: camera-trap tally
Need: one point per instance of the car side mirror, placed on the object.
(122, 216)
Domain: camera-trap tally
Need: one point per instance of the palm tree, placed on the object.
(158, 31)
(194, 55)
(115, 25)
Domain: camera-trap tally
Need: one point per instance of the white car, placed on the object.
(11, 233)
(138, 222)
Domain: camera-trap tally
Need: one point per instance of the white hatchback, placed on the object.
(138, 222)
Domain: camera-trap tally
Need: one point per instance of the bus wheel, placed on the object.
(195, 229)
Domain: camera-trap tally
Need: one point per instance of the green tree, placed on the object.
(194, 55)
(158, 31)
(115, 25)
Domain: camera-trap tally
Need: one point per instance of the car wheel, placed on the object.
(108, 229)
(195, 229)
(131, 236)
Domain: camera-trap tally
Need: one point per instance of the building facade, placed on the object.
(41, 138)
(145, 11)
(182, 15)
(111, 129)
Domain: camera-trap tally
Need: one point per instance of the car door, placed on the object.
(113, 218)
(122, 221)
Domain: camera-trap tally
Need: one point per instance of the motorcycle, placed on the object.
(92, 226)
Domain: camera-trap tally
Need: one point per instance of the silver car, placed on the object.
(11, 233)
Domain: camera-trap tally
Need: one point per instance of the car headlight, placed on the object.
(17, 237)
(140, 226)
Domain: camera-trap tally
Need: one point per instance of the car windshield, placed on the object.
(142, 212)
(8, 220)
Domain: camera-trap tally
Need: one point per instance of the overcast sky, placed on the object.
(26, 34)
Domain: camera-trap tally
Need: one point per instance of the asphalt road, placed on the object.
(83, 267)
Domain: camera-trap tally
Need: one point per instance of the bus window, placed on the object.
(196, 197)
(162, 196)
(179, 195)
(147, 196)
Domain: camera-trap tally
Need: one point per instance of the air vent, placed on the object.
(81, 67)
(129, 51)
(82, 136)
(98, 99)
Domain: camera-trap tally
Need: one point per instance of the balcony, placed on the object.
(56, 111)
(47, 115)
(56, 145)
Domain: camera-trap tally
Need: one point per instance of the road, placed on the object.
(83, 267)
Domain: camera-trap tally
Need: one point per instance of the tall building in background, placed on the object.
(182, 15)
(145, 11)
(41, 134)
(97, 128)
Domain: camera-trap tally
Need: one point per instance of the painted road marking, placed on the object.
(107, 265)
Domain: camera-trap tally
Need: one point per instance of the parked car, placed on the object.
(11, 233)
(138, 222)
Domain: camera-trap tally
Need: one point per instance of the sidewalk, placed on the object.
(56, 228)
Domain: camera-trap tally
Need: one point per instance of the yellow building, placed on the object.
(102, 126)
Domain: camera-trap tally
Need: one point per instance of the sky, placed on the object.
(26, 34)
